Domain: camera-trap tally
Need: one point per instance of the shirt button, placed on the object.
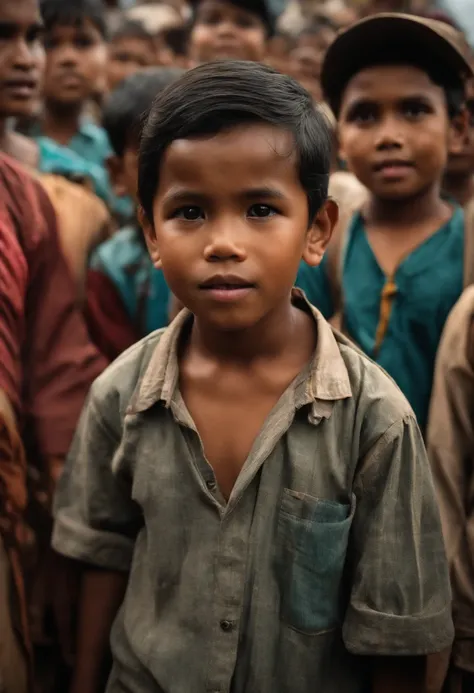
(211, 485)
(227, 626)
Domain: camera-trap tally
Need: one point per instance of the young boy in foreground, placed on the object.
(251, 479)
(399, 113)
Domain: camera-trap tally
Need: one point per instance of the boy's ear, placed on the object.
(458, 132)
(115, 168)
(320, 232)
(150, 237)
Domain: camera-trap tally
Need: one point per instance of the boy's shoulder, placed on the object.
(376, 403)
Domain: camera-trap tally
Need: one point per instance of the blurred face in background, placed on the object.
(76, 57)
(461, 164)
(224, 30)
(21, 58)
(128, 55)
(307, 57)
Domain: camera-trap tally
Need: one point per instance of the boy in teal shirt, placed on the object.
(399, 112)
(127, 297)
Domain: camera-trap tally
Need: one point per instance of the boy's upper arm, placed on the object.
(314, 282)
(400, 600)
(96, 520)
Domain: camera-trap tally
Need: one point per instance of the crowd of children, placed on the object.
(271, 485)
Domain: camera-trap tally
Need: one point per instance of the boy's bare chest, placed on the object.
(228, 423)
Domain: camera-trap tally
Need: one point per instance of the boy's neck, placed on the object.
(460, 187)
(271, 338)
(61, 122)
(403, 213)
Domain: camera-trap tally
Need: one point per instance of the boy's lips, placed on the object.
(20, 88)
(393, 169)
(393, 165)
(227, 287)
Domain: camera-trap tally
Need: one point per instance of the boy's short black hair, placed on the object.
(397, 39)
(73, 12)
(221, 95)
(129, 103)
(131, 29)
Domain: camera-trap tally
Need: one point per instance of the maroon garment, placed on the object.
(13, 288)
(45, 350)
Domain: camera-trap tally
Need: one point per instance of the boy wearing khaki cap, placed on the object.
(395, 83)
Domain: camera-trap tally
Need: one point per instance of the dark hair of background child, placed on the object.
(73, 12)
(127, 106)
(221, 95)
(131, 29)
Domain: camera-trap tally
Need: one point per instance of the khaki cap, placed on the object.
(398, 36)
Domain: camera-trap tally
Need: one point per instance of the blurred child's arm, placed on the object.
(96, 523)
(102, 593)
(400, 601)
(410, 674)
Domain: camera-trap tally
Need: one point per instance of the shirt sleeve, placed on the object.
(314, 282)
(400, 600)
(96, 520)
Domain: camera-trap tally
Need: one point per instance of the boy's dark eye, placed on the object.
(210, 18)
(34, 34)
(416, 109)
(83, 41)
(189, 213)
(363, 114)
(261, 211)
(245, 22)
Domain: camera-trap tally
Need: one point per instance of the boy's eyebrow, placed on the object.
(182, 196)
(265, 191)
(414, 96)
(13, 27)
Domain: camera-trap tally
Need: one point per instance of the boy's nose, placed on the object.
(389, 136)
(223, 244)
(24, 56)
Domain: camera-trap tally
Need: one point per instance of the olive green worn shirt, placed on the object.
(329, 546)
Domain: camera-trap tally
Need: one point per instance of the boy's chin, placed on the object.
(399, 193)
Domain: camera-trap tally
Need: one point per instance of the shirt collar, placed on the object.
(327, 379)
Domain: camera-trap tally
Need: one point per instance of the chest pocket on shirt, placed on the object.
(312, 544)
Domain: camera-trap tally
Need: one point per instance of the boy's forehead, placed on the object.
(389, 82)
(255, 149)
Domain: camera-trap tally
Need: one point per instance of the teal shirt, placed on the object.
(85, 155)
(428, 283)
(124, 259)
(90, 142)
(54, 158)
